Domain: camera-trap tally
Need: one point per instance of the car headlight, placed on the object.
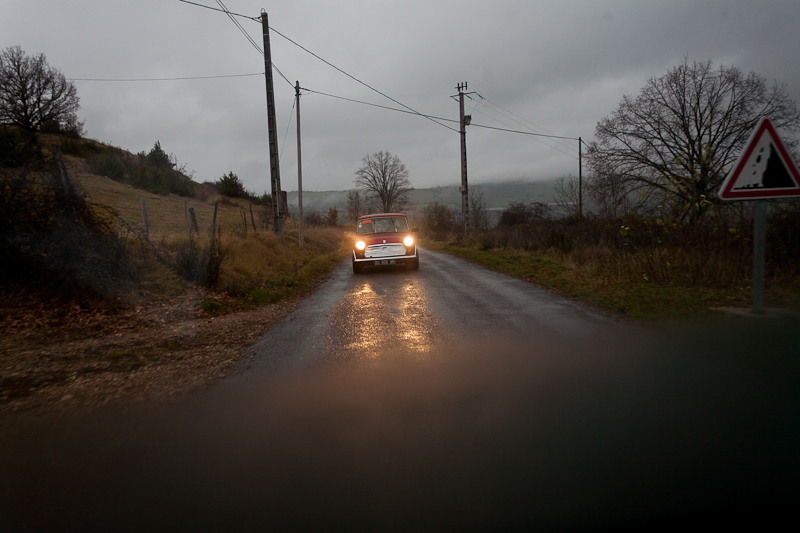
(408, 241)
(361, 245)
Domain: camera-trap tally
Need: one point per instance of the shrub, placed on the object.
(160, 159)
(230, 185)
(159, 180)
(50, 237)
(197, 263)
(110, 165)
(523, 213)
(438, 220)
(18, 147)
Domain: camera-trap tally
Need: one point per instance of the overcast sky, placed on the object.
(543, 66)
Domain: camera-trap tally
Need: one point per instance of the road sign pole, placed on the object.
(759, 255)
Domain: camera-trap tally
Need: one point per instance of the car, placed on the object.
(384, 239)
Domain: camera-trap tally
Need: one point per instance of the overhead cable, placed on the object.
(491, 102)
(241, 29)
(285, 135)
(215, 9)
(536, 139)
(282, 76)
(169, 79)
(359, 81)
(311, 91)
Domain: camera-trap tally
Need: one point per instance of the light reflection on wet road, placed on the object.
(399, 312)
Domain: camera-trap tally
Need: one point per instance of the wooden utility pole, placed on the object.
(464, 121)
(299, 167)
(580, 179)
(274, 164)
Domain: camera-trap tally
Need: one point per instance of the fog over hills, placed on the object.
(497, 195)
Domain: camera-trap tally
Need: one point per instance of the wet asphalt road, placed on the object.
(390, 312)
(532, 413)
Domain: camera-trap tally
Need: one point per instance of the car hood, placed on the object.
(380, 238)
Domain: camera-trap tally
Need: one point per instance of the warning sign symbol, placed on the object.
(765, 169)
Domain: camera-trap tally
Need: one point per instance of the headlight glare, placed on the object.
(408, 241)
(360, 245)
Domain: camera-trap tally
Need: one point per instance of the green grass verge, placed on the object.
(642, 300)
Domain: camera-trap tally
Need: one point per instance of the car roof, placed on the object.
(383, 215)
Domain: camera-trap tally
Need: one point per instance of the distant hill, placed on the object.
(497, 195)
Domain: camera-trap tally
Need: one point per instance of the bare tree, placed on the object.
(438, 220)
(672, 145)
(333, 217)
(384, 177)
(33, 94)
(478, 218)
(567, 195)
(356, 205)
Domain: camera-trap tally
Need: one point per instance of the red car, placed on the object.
(384, 239)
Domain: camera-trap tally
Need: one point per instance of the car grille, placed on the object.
(384, 250)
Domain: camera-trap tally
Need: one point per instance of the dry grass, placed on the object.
(642, 268)
(258, 266)
(269, 264)
(165, 214)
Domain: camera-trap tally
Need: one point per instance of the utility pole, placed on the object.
(299, 166)
(464, 122)
(580, 179)
(274, 164)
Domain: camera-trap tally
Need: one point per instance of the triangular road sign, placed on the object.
(764, 170)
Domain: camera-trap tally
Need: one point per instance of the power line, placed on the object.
(215, 9)
(169, 79)
(558, 141)
(359, 81)
(488, 100)
(377, 105)
(524, 132)
(282, 76)
(538, 140)
(437, 118)
(230, 15)
(241, 29)
(285, 135)
(311, 91)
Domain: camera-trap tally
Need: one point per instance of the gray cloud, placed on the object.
(561, 65)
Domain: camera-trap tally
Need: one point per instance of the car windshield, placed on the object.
(382, 225)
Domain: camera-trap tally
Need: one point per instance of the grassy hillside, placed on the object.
(248, 261)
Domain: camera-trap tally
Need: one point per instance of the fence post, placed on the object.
(244, 221)
(186, 216)
(214, 221)
(253, 220)
(194, 220)
(144, 219)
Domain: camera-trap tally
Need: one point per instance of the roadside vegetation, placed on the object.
(654, 240)
(71, 233)
(640, 267)
(95, 309)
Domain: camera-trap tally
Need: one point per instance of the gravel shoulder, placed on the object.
(57, 358)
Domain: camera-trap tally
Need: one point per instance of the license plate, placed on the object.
(385, 262)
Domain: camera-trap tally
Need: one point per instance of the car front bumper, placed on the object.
(384, 261)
